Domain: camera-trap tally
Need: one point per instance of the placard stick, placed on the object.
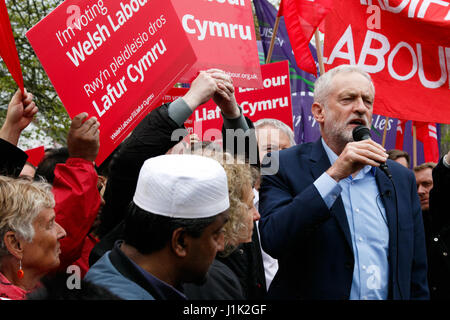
(272, 41)
(319, 52)
(383, 143)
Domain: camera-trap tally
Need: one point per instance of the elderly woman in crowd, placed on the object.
(243, 213)
(29, 236)
(222, 283)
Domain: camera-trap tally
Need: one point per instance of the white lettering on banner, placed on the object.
(96, 39)
(378, 53)
(374, 281)
(447, 55)
(216, 29)
(417, 65)
(252, 107)
(346, 39)
(412, 8)
(269, 83)
(275, 82)
(413, 71)
(232, 2)
(396, 9)
(379, 123)
(210, 115)
(374, 21)
(136, 72)
(268, 32)
(126, 12)
(89, 46)
(91, 88)
(77, 20)
(111, 97)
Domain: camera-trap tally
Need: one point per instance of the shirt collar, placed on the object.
(333, 157)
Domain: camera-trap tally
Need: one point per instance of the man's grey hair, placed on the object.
(322, 86)
(268, 122)
(21, 201)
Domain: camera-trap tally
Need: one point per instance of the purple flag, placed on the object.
(282, 50)
(302, 83)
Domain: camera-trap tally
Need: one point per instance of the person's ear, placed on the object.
(13, 244)
(179, 242)
(318, 110)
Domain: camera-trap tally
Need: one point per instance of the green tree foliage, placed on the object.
(53, 120)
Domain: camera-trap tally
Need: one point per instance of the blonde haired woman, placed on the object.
(29, 236)
(239, 228)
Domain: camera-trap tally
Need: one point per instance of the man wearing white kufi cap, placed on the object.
(173, 230)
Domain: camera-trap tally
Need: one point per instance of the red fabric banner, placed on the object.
(400, 134)
(8, 50)
(302, 18)
(427, 134)
(404, 45)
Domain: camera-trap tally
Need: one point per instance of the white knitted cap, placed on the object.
(182, 186)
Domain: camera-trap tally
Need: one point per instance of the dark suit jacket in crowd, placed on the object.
(12, 159)
(312, 243)
(439, 235)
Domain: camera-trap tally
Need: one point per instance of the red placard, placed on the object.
(112, 59)
(274, 101)
(222, 33)
(35, 155)
(404, 46)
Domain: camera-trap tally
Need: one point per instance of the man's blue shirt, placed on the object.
(369, 231)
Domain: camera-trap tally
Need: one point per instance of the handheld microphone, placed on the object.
(363, 133)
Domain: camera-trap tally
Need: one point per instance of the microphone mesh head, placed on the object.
(361, 133)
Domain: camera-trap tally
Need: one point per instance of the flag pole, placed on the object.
(414, 146)
(383, 143)
(272, 41)
(319, 52)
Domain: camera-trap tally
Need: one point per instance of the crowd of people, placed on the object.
(256, 217)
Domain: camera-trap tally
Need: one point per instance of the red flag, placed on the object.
(302, 18)
(35, 155)
(8, 49)
(400, 134)
(409, 69)
(426, 132)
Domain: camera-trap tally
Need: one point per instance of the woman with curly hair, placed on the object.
(222, 283)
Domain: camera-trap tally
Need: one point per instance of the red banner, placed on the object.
(222, 33)
(8, 50)
(302, 18)
(112, 59)
(404, 45)
(273, 101)
(427, 134)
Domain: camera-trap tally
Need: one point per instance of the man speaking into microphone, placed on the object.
(340, 227)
